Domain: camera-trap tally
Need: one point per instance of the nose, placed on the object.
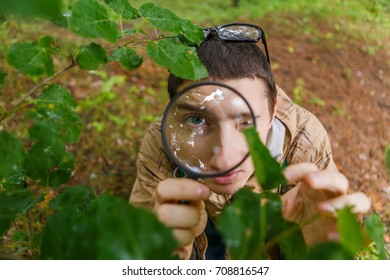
(228, 148)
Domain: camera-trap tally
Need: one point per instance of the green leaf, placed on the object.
(31, 8)
(91, 57)
(127, 57)
(350, 233)
(285, 234)
(47, 42)
(376, 231)
(110, 228)
(329, 251)
(132, 31)
(13, 202)
(129, 32)
(166, 20)
(76, 198)
(11, 155)
(267, 170)
(123, 8)
(54, 117)
(2, 77)
(265, 234)
(244, 242)
(31, 59)
(49, 163)
(387, 158)
(63, 19)
(69, 236)
(90, 19)
(179, 59)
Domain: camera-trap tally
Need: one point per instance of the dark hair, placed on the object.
(227, 60)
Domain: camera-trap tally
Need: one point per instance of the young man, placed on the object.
(294, 137)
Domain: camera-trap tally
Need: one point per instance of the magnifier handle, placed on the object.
(178, 173)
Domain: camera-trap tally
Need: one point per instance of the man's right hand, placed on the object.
(188, 219)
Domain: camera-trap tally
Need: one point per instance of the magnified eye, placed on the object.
(196, 120)
(245, 123)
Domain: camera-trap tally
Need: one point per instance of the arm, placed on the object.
(319, 193)
(316, 188)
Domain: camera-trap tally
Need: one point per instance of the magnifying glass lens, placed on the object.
(203, 129)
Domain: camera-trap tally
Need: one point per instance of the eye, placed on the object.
(196, 120)
(245, 122)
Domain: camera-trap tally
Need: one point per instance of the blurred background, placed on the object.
(330, 56)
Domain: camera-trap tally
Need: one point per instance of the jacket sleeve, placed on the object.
(306, 139)
(153, 166)
(310, 143)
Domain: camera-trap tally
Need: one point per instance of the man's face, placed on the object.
(206, 130)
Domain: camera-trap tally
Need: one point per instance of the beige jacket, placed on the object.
(305, 141)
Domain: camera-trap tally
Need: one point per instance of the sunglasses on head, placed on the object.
(238, 32)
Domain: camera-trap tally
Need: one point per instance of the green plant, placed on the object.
(338, 110)
(97, 103)
(298, 91)
(317, 101)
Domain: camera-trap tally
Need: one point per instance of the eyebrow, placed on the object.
(195, 108)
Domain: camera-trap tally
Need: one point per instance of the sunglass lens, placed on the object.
(239, 33)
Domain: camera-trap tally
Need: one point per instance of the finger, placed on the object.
(296, 172)
(317, 179)
(183, 236)
(181, 189)
(359, 202)
(327, 180)
(178, 215)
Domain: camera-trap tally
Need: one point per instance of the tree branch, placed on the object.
(34, 89)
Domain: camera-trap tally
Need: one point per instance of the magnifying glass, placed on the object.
(202, 129)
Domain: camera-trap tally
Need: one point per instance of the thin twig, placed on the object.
(29, 233)
(34, 89)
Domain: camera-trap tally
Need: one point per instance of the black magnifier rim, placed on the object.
(189, 172)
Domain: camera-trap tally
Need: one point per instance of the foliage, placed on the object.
(78, 224)
(300, 93)
(42, 158)
(103, 228)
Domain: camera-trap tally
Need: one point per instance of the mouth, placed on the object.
(227, 178)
